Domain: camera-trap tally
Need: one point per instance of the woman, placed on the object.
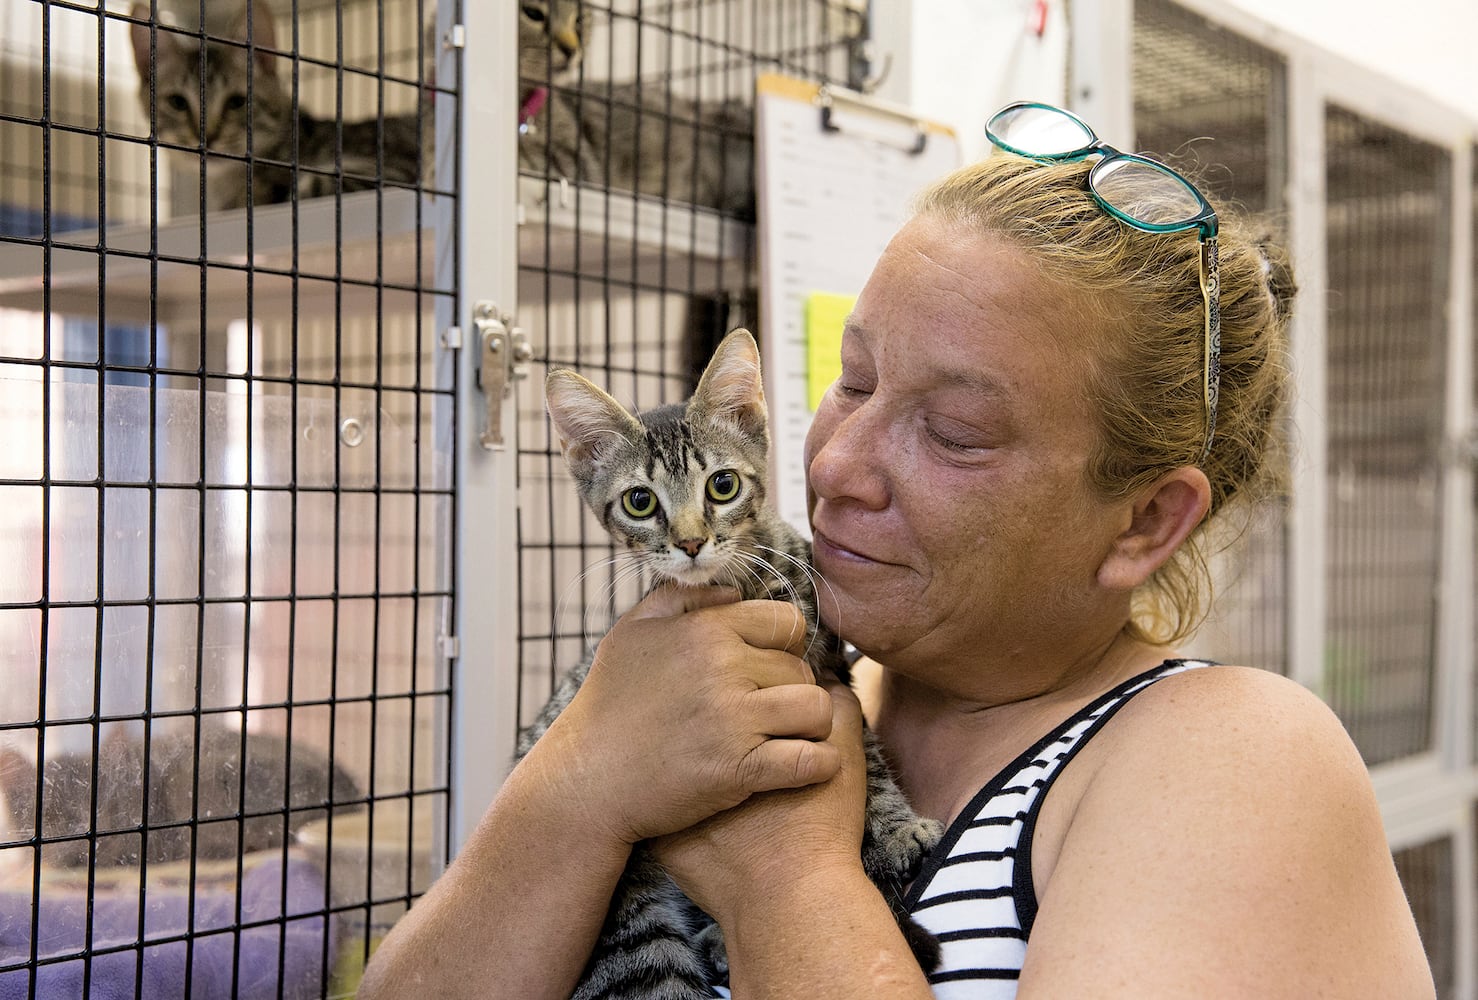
(1010, 484)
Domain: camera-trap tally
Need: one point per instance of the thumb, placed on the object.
(669, 600)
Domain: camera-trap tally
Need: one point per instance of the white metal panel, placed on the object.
(1308, 510)
(484, 691)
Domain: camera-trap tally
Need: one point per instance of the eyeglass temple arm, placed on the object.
(1211, 359)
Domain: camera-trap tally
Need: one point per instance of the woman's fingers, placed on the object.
(802, 711)
(667, 600)
(776, 764)
(768, 625)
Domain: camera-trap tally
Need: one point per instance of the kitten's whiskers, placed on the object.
(812, 574)
(632, 561)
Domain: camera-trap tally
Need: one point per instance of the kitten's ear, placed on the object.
(586, 418)
(258, 14)
(731, 388)
(139, 35)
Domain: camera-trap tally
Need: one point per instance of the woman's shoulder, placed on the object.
(1225, 804)
(1235, 721)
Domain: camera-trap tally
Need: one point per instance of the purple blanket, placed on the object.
(115, 921)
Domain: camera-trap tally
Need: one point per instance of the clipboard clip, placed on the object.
(827, 98)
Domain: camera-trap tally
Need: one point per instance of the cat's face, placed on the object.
(680, 486)
(551, 39)
(229, 103)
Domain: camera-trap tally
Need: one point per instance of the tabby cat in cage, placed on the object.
(212, 102)
(628, 136)
(699, 471)
(187, 781)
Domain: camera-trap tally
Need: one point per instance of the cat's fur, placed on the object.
(655, 944)
(68, 793)
(626, 136)
(326, 152)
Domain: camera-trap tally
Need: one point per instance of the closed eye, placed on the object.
(950, 443)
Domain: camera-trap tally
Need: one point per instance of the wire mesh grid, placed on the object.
(1388, 230)
(634, 258)
(1428, 873)
(226, 494)
(1193, 79)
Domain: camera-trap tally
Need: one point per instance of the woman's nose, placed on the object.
(848, 458)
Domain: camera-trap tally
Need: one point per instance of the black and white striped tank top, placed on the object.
(975, 889)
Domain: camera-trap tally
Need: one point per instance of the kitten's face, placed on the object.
(685, 503)
(227, 70)
(551, 39)
(681, 486)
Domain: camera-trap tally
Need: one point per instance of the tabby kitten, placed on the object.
(683, 487)
(281, 135)
(626, 136)
(68, 793)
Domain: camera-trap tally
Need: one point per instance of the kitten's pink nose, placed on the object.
(691, 545)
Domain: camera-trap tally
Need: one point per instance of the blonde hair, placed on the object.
(1146, 370)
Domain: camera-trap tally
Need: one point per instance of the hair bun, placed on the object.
(1277, 271)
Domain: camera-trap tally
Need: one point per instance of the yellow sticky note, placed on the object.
(826, 315)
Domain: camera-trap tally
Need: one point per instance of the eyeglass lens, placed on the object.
(1041, 131)
(1143, 192)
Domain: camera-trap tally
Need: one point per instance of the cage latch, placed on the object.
(503, 358)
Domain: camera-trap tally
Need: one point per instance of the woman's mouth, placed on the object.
(829, 549)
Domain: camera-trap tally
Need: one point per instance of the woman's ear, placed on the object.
(1162, 517)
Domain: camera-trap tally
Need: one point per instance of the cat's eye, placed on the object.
(235, 102)
(723, 486)
(533, 13)
(639, 502)
(177, 102)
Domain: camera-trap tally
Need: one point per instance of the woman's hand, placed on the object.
(693, 703)
(780, 837)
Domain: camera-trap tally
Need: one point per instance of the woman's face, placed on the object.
(945, 465)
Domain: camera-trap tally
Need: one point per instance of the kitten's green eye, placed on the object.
(723, 486)
(639, 502)
(235, 102)
(177, 102)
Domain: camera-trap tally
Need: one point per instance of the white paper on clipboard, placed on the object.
(835, 173)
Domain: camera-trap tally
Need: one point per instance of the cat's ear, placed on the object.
(258, 15)
(586, 418)
(731, 388)
(139, 35)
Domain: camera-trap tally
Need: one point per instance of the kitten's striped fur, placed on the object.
(655, 944)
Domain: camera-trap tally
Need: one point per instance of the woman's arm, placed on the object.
(519, 909)
(650, 744)
(782, 874)
(1227, 844)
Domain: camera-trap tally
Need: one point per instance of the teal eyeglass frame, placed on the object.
(1203, 220)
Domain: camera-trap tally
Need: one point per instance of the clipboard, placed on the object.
(835, 173)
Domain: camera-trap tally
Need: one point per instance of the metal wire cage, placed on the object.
(1193, 79)
(226, 492)
(633, 284)
(1381, 345)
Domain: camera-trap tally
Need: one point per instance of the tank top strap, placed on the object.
(975, 889)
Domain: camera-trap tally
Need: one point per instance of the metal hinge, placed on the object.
(451, 338)
(503, 353)
(450, 647)
(456, 37)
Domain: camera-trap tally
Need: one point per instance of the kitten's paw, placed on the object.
(902, 850)
(710, 942)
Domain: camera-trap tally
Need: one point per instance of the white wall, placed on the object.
(1428, 46)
